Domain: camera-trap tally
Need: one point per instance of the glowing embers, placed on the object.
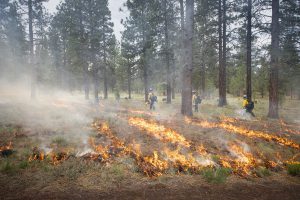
(6, 150)
(54, 157)
(244, 131)
(159, 131)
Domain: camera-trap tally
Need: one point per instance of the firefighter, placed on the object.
(196, 101)
(152, 99)
(248, 105)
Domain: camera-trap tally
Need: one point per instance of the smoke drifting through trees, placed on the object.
(76, 48)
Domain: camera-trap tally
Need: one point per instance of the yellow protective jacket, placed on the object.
(245, 103)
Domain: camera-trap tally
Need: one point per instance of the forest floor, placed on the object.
(62, 147)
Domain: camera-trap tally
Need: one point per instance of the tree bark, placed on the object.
(273, 87)
(220, 44)
(167, 47)
(249, 49)
(33, 67)
(129, 78)
(186, 95)
(202, 75)
(173, 78)
(146, 87)
(105, 77)
(222, 69)
(85, 67)
(96, 84)
(86, 84)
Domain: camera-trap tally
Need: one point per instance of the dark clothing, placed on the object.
(250, 111)
(196, 107)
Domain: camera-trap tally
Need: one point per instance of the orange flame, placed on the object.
(244, 131)
(159, 131)
(6, 147)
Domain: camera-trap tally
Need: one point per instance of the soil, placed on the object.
(245, 190)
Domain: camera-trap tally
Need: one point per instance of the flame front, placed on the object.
(159, 131)
(244, 131)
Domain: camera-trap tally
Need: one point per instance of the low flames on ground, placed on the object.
(230, 128)
(54, 157)
(177, 153)
(182, 155)
(6, 150)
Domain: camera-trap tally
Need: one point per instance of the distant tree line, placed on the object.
(235, 46)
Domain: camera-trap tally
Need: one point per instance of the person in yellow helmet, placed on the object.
(248, 106)
(245, 101)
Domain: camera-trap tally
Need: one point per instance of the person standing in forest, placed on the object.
(196, 101)
(248, 105)
(152, 99)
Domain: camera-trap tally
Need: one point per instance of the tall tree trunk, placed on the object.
(146, 87)
(129, 78)
(173, 88)
(220, 45)
(182, 19)
(222, 70)
(145, 66)
(173, 79)
(32, 62)
(167, 49)
(105, 77)
(84, 65)
(96, 86)
(186, 95)
(202, 75)
(181, 63)
(249, 49)
(273, 87)
(86, 84)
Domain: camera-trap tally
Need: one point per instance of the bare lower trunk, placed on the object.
(186, 94)
(96, 86)
(105, 77)
(166, 29)
(273, 87)
(146, 83)
(105, 83)
(202, 75)
(173, 87)
(129, 79)
(249, 49)
(32, 62)
(86, 84)
(222, 72)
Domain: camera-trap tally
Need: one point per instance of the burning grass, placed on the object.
(6, 150)
(184, 157)
(55, 157)
(159, 131)
(241, 130)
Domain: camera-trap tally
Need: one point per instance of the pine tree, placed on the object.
(273, 87)
(186, 104)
